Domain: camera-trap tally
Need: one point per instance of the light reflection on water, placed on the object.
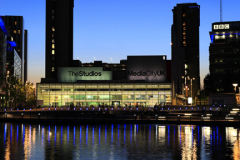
(118, 141)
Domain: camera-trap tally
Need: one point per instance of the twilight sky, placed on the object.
(110, 30)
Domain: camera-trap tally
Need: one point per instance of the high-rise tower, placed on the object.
(15, 27)
(59, 36)
(185, 50)
(224, 56)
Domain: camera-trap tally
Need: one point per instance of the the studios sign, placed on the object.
(74, 74)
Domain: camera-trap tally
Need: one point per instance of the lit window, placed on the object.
(184, 28)
(226, 26)
(8, 72)
(220, 60)
(184, 33)
(215, 27)
(53, 29)
(184, 14)
(53, 46)
(53, 51)
(52, 17)
(15, 31)
(15, 22)
(186, 66)
(18, 31)
(53, 69)
(52, 34)
(184, 23)
(184, 42)
(184, 37)
(221, 26)
(53, 41)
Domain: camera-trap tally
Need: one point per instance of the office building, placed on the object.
(126, 84)
(136, 81)
(185, 51)
(15, 26)
(59, 36)
(6, 44)
(224, 55)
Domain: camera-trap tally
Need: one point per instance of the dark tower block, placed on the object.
(59, 36)
(15, 27)
(185, 50)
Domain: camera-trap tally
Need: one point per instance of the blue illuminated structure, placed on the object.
(2, 25)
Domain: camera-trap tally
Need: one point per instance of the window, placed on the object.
(53, 46)
(53, 51)
(184, 37)
(52, 57)
(53, 11)
(184, 23)
(53, 29)
(184, 14)
(52, 34)
(53, 69)
(184, 32)
(52, 16)
(53, 41)
(15, 31)
(184, 28)
(18, 31)
(15, 22)
(184, 42)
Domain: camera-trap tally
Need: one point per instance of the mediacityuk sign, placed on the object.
(148, 68)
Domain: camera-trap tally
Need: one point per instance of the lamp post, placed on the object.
(235, 86)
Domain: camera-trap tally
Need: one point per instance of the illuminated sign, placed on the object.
(221, 26)
(73, 74)
(147, 68)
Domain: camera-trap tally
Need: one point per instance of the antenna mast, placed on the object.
(220, 10)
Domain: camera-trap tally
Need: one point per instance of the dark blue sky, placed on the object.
(113, 29)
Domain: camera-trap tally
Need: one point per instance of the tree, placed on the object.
(14, 90)
(30, 98)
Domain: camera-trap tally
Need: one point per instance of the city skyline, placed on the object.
(110, 31)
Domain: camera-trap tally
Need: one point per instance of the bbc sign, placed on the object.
(147, 68)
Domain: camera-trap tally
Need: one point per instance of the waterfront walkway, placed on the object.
(120, 115)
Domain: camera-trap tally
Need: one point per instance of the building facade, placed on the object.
(224, 55)
(136, 81)
(129, 83)
(185, 77)
(15, 26)
(59, 36)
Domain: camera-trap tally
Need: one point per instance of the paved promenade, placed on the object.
(121, 115)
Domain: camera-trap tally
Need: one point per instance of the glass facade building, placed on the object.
(110, 94)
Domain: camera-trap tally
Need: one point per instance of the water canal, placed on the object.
(118, 141)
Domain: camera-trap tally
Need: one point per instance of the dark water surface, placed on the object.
(118, 141)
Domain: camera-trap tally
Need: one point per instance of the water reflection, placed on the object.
(23, 141)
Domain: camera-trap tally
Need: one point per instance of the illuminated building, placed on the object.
(137, 81)
(185, 50)
(132, 85)
(6, 45)
(224, 52)
(15, 26)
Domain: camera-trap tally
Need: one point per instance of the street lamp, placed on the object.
(235, 86)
